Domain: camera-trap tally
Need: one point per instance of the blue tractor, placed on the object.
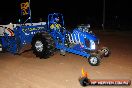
(80, 42)
(46, 37)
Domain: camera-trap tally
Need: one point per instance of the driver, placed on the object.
(55, 25)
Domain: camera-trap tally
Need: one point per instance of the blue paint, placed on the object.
(24, 34)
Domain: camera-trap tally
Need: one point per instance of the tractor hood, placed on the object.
(87, 35)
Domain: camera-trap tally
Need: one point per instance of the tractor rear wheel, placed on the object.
(43, 45)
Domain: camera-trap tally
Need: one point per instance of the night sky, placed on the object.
(75, 12)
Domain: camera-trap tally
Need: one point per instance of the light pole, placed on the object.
(30, 12)
(103, 15)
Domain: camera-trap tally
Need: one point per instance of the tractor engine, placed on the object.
(85, 40)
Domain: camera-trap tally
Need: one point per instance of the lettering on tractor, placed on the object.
(31, 29)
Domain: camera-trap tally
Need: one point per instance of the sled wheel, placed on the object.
(1, 49)
(43, 45)
(106, 51)
(94, 60)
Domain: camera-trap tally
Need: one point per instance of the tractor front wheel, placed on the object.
(106, 51)
(94, 60)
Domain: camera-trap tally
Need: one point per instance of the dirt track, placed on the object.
(27, 71)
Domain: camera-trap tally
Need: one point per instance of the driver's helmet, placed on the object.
(57, 19)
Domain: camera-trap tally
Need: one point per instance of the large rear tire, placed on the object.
(43, 45)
